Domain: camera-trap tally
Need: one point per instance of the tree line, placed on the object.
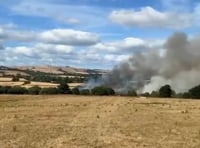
(54, 78)
(62, 88)
(45, 77)
(167, 92)
(164, 92)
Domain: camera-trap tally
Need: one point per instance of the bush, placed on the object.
(132, 93)
(26, 82)
(165, 91)
(110, 91)
(4, 89)
(195, 92)
(49, 91)
(17, 90)
(63, 88)
(146, 94)
(101, 90)
(186, 95)
(15, 78)
(35, 90)
(154, 94)
(85, 92)
(75, 91)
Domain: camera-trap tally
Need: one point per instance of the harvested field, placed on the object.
(13, 72)
(108, 122)
(7, 81)
(72, 85)
(41, 84)
(11, 83)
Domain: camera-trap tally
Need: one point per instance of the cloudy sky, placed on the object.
(89, 33)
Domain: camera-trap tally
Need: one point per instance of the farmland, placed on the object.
(46, 76)
(86, 121)
(7, 81)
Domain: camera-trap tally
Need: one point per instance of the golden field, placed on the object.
(66, 121)
(7, 81)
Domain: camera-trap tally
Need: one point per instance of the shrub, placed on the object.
(132, 93)
(101, 90)
(195, 92)
(186, 95)
(49, 91)
(154, 94)
(75, 91)
(110, 91)
(26, 82)
(35, 90)
(146, 94)
(85, 92)
(63, 88)
(4, 89)
(17, 90)
(15, 78)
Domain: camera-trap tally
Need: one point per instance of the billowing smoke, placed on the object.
(179, 66)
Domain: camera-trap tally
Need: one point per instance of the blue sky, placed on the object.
(89, 33)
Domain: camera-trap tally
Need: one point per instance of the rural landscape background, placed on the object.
(94, 73)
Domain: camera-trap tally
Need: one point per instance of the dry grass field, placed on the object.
(7, 81)
(101, 122)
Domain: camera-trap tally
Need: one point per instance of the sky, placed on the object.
(96, 34)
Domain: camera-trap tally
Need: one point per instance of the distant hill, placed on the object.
(57, 70)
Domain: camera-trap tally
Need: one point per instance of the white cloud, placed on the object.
(7, 32)
(68, 37)
(37, 51)
(65, 47)
(115, 58)
(54, 36)
(127, 45)
(149, 17)
(21, 50)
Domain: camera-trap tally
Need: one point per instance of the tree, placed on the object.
(26, 82)
(146, 94)
(15, 78)
(17, 90)
(34, 90)
(110, 91)
(154, 94)
(75, 91)
(4, 89)
(186, 95)
(195, 92)
(63, 88)
(49, 90)
(165, 91)
(132, 93)
(101, 90)
(85, 92)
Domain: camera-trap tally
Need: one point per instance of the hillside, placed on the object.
(61, 70)
(58, 70)
(46, 76)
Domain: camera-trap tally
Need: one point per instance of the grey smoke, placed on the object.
(148, 71)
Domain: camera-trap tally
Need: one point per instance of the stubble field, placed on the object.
(105, 122)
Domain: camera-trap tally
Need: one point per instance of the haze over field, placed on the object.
(149, 43)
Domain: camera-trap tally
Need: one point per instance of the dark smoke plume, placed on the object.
(145, 72)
